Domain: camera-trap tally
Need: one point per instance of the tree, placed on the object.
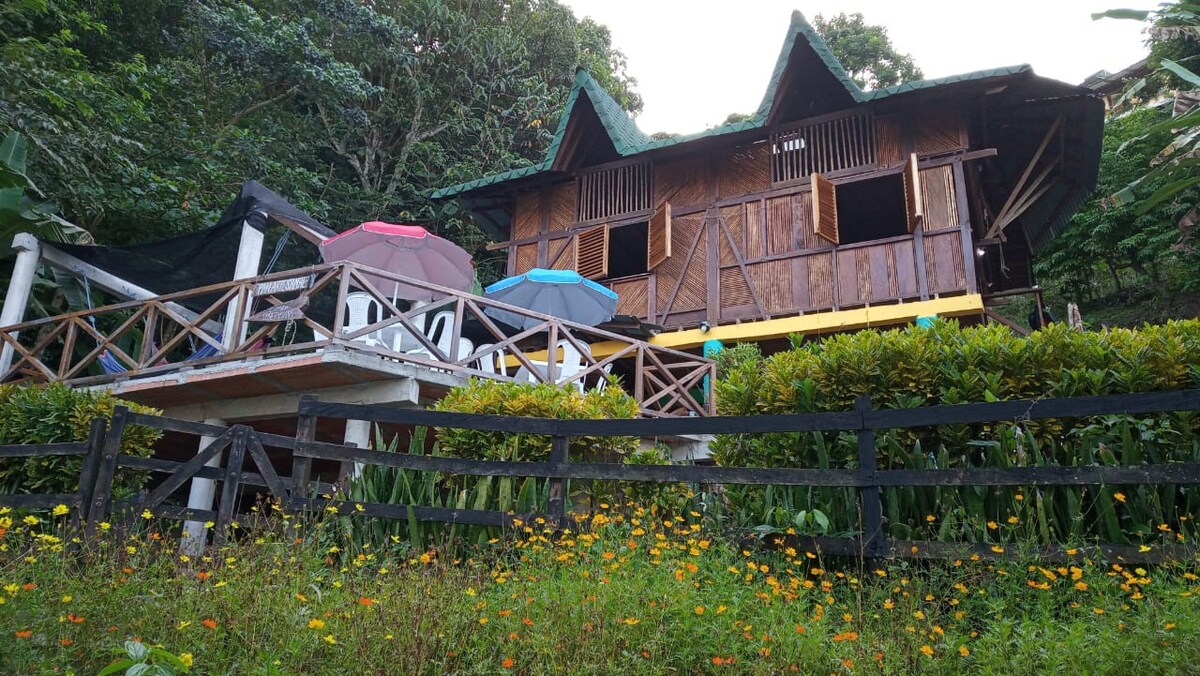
(1108, 236)
(865, 51)
(147, 115)
(1171, 174)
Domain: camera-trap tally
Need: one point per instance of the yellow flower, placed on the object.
(699, 610)
(963, 650)
(630, 621)
(1081, 586)
(358, 506)
(927, 651)
(998, 549)
(187, 659)
(105, 526)
(66, 599)
(1119, 497)
(993, 525)
(328, 638)
(316, 624)
(60, 510)
(1144, 548)
(147, 514)
(31, 520)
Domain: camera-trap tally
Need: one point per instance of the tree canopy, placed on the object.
(145, 116)
(866, 51)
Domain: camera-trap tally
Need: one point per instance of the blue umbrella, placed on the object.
(559, 293)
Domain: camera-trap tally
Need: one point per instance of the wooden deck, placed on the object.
(287, 333)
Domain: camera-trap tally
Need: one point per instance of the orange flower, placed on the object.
(65, 642)
(202, 576)
(24, 633)
(29, 586)
(365, 601)
(209, 622)
(74, 619)
(507, 663)
(528, 622)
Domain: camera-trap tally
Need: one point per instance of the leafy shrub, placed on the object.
(54, 414)
(948, 364)
(534, 401)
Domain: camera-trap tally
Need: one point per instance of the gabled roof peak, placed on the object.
(622, 131)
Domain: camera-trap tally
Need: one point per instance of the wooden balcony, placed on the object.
(302, 321)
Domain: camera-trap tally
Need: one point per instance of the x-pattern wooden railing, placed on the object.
(93, 346)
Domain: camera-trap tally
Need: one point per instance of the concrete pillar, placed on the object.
(200, 496)
(358, 433)
(249, 255)
(19, 287)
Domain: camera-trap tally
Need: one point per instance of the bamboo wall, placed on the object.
(744, 247)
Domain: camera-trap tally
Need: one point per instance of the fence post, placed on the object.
(869, 495)
(107, 468)
(87, 475)
(306, 430)
(560, 455)
(229, 483)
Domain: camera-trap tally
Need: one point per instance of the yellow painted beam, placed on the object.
(821, 322)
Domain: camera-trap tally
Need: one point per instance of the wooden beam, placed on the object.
(1017, 189)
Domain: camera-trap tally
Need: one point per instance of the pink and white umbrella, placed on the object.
(408, 250)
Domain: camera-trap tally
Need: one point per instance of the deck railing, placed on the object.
(306, 310)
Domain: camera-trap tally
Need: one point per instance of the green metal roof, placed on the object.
(628, 140)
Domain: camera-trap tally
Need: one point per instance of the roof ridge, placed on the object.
(800, 27)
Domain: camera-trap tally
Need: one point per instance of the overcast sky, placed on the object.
(697, 61)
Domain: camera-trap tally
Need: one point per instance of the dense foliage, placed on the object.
(57, 413)
(632, 593)
(950, 365)
(148, 115)
(1132, 249)
(531, 400)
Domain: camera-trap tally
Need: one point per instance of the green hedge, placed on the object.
(56, 413)
(535, 401)
(948, 364)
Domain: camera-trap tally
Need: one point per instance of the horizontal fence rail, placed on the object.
(867, 479)
(235, 457)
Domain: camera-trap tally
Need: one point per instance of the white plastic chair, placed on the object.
(440, 332)
(491, 363)
(359, 306)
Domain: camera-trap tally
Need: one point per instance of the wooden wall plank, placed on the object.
(938, 129)
(847, 277)
(562, 207)
(526, 258)
(906, 269)
(756, 243)
(682, 182)
(821, 285)
(743, 170)
(632, 296)
(889, 140)
(940, 198)
(779, 225)
(527, 218)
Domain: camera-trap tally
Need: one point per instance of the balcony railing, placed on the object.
(339, 305)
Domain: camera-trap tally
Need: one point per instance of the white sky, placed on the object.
(697, 61)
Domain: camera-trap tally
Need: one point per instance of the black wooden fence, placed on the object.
(92, 500)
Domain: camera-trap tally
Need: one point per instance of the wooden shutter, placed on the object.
(591, 252)
(658, 237)
(913, 200)
(824, 205)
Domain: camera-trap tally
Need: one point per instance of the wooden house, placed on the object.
(830, 208)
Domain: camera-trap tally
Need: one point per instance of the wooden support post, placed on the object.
(559, 454)
(201, 492)
(230, 483)
(87, 476)
(20, 286)
(102, 491)
(358, 435)
(306, 430)
(869, 496)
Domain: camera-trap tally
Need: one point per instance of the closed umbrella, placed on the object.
(559, 293)
(408, 250)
